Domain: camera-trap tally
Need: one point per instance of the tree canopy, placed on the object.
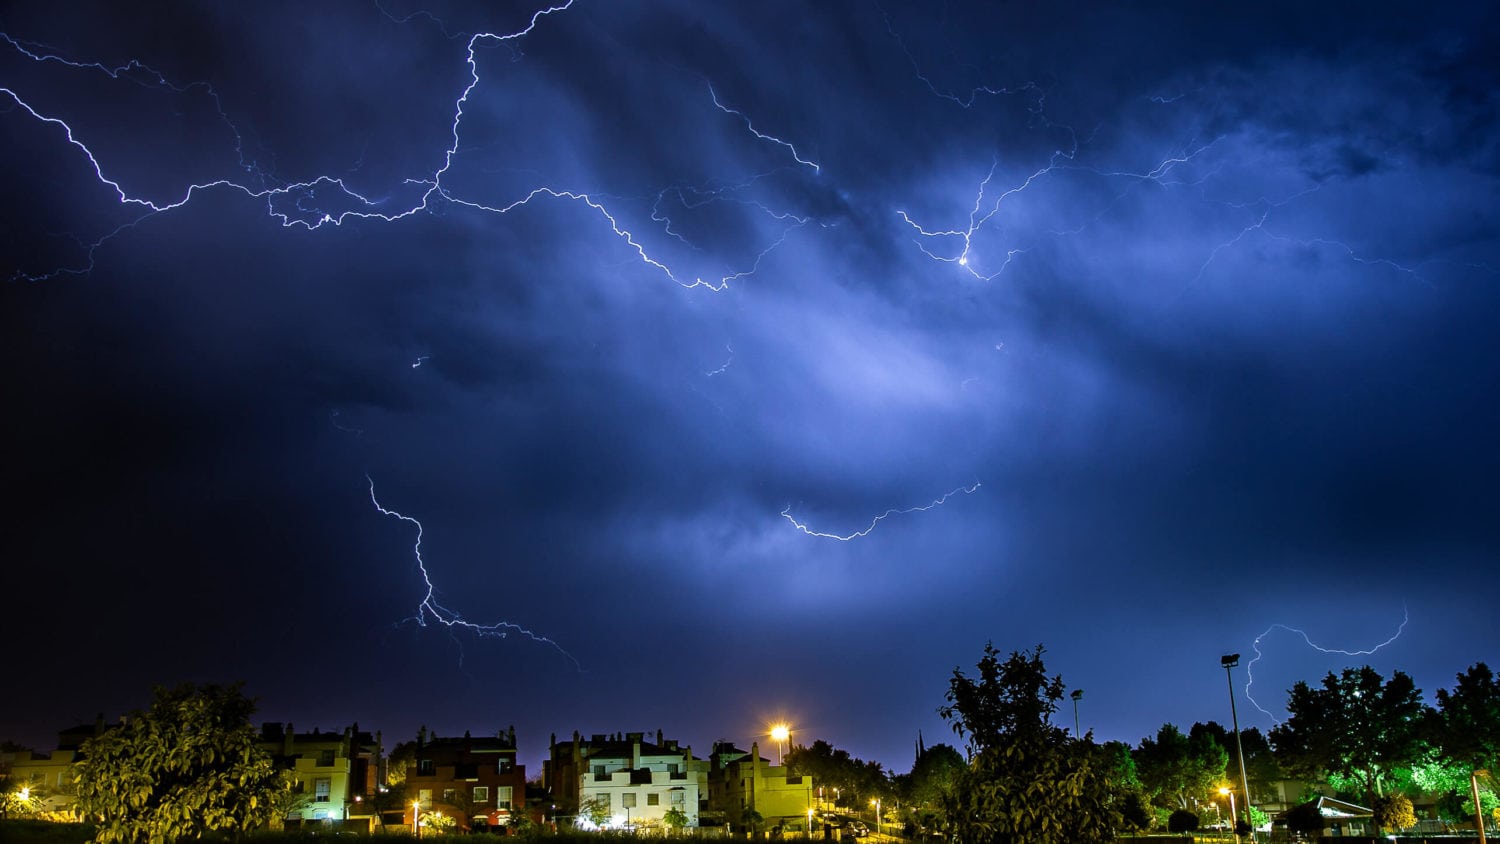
(189, 765)
(1468, 725)
(1469, 719)
(1010, 701)
(1027, 780)
(1356, 725)
(1177, 770)
(833, 768)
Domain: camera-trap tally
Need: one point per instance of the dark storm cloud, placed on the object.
(1230, 315)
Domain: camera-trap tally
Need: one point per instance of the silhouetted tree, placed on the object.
(1026, 781)
(1357, 725)
(1467, 725)
(1182, 821)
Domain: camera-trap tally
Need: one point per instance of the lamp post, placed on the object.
(779, 734)
(1229, 792)
(809, 822)
(1077, 696)
(416, 818)
(1229, 661)
(876, 804)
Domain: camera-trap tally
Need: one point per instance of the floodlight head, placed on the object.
(1229, 660)
(1078, 694)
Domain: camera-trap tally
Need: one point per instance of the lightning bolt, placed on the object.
(978, 216)
(333, 419)
(974, 93)
(723, 367)
(1264, 208)
(329, 200)
(141, 74)
(764, 137)
(1250, 666)
(787, 514)
(429, 608)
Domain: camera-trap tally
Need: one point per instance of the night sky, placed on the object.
(743, 361)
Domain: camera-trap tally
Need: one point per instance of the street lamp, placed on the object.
(809, 821)
(1228, 792)
(1229, 661)
(416, 818)
(876, 804)
(779, 734)
(1077, 696)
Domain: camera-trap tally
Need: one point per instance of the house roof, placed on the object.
(1332, 807)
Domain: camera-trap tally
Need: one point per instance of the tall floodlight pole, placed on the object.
(1229, 661)
(1077, 696)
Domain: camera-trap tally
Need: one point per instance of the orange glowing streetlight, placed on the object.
(779, 734)
(1228, 792)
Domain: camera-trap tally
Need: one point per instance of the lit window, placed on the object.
(502, 797)
(481, 794)
(449, 794)
(653, 799)
(628, 799)
(320, 789)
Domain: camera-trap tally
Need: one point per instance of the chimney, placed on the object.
(287, 741)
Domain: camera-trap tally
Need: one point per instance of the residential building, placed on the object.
(48, 776)
(622, 781)
(475, 779)
(740, 782)
(336, 773)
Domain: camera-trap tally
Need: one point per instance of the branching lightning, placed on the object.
(429, 608)
(980, 214)
(1250, 666)
(787, 514)
(314, 203)
(974, 93)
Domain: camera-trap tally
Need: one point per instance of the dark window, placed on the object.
(425, 768)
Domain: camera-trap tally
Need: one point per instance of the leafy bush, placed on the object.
(1394, 812)
(1182, 821)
